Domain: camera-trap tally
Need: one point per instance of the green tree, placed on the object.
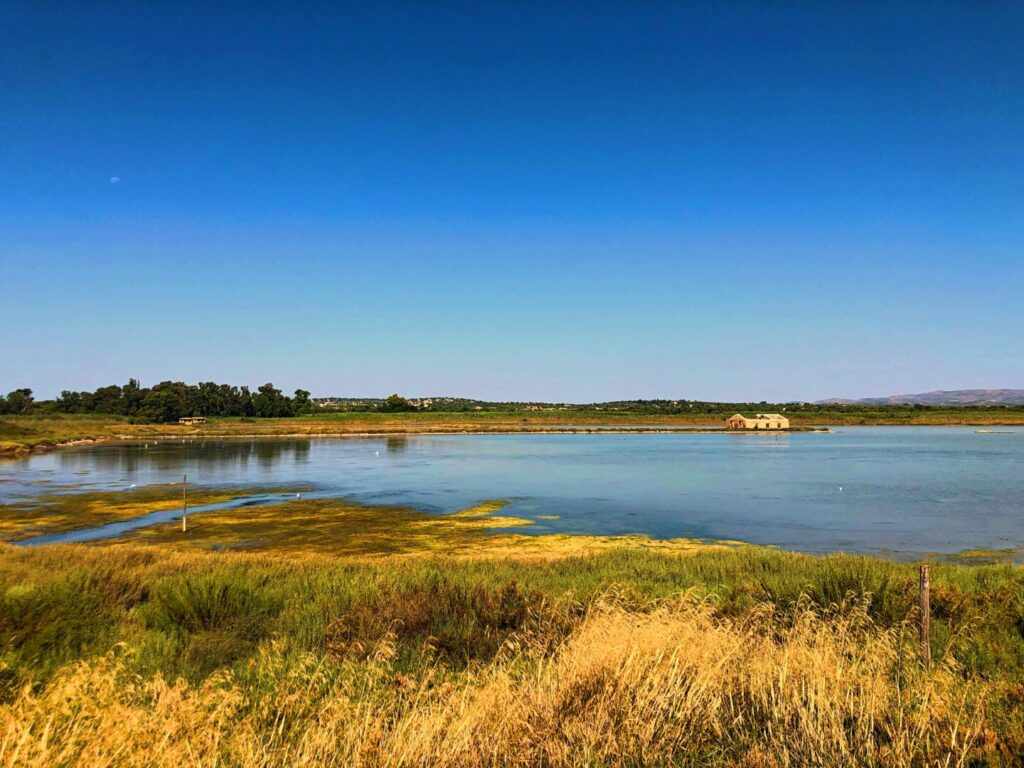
(301, 401)
(19, 401)
(396, 403)
(133, 393)
(68, 402)
(245, 404)
(269, 402)
(109, 400)
(161, 404)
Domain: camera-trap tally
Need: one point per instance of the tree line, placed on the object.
(166, 401)
(170, 400)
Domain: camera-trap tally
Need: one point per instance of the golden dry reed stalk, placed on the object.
(678, 685)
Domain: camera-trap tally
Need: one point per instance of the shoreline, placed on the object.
(13, 450)
(21, 451)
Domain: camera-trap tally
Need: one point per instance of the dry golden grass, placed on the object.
(679, 684)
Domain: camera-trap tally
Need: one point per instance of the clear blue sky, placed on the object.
(563, 201)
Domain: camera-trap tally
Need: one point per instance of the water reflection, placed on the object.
(130, 459)
(398, 444)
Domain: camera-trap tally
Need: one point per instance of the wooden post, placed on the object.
(924, 618)
(184, 504)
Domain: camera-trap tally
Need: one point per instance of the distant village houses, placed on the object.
(192, 420)
(761, 421)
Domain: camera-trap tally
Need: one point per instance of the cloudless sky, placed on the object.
(560, 201)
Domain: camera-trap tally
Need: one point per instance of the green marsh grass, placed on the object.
(627, 656)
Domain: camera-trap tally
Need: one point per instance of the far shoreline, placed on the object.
(21, 436)
(24, 451)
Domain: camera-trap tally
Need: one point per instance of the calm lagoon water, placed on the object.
(888, 490)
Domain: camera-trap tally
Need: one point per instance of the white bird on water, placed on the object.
(376, 453)
(298, 495)
(840, 487)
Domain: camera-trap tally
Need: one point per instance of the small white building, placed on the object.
(761, 421)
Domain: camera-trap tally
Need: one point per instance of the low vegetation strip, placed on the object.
(20, 434)
(145, 655)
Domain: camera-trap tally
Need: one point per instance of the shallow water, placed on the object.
(889, 490)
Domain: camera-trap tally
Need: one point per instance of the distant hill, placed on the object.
(941, 397)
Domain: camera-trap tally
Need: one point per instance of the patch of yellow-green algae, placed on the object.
(984, 556)
(60, 512)
(339, 527)
(483, 514)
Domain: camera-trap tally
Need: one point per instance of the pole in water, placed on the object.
(184, 504)
(924, 609)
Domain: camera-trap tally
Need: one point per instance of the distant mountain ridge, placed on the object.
(941, 397)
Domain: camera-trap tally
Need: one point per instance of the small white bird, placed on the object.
(840, 487)
(298, 495)
(376, 453)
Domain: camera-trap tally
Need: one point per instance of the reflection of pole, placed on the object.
(184, 504)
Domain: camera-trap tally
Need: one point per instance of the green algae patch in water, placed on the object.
(50, 513)
(341, 527)
(488, 507)
(335, 526)
(1008, 555)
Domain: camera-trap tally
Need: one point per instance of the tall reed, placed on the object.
(677, 682)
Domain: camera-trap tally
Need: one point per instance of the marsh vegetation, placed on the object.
(141, 655)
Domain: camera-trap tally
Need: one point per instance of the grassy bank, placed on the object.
(21, 434)
(321, 632)
(136, 655)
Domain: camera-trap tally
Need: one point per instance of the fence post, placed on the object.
(184, 504)
(924, 610)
